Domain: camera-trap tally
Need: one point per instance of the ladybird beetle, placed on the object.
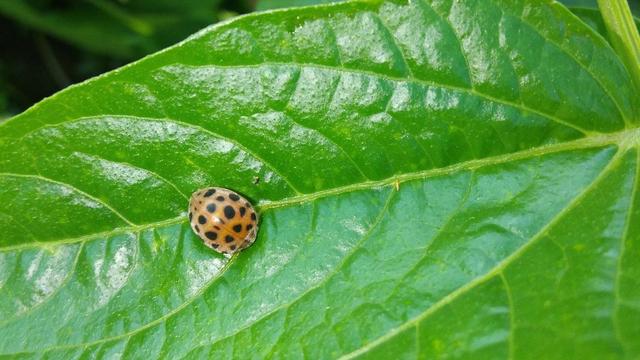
(224, 220)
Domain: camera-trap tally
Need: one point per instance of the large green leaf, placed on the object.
(436, 179)
(278, 4)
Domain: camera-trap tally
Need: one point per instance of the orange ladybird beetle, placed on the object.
(224, 220)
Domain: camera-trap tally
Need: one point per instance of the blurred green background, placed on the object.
(50, 44)
(47, 45)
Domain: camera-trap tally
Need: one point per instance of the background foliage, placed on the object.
(50, 44)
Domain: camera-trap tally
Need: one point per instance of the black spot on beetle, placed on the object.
(237, 228)
(209, 192)
(229, 212)
(232, 247)
(211, 207)
(249, 227)
(196, 228)
(234, 197)
(211, 235)
(243, 210)
(216, 227)
(202, 219)
(214, 245)
(220, 198)
(190, 215)
(253, 216)
(228, 238)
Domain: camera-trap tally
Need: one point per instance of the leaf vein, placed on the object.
(496, 270)
(446, 20)
(335, 271)
(73, 188)
(577, 61)
(584, 143)
(522, 107)
(616, 291)
(329, 139)
(512, 318)
(50, 296)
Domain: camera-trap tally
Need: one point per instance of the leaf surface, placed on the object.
(435, 179)
(279, 4)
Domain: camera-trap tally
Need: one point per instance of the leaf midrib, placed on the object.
(494, 271)
(623, 139)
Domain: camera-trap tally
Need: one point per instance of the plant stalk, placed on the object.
(623, 35)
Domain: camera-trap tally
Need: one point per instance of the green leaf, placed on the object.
(436, 179)
(587, 10)
(278, 4)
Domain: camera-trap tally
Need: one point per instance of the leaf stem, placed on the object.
(623, 35)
